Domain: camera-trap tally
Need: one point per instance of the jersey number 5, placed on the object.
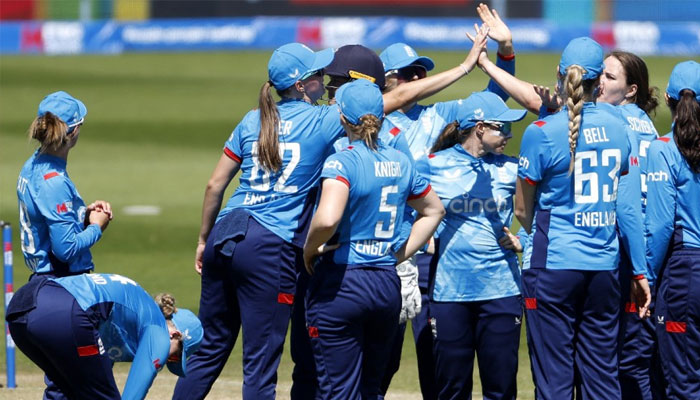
(384, 208)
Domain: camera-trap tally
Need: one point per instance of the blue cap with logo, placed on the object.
(400, 55)
(485, 106)
(294, 62)
(192, 333)
(584, 52)
(69, 109)
(685, 75)
(359, 98)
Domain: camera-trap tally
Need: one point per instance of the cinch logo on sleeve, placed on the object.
(333, 164)
(524, 162)
(658, 176)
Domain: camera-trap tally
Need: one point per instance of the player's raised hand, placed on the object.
(498, 30)
(549, 99)
(478, 46)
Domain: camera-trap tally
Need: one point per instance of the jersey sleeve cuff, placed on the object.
(506, 58)
(421, 194)
(232, 155)
(342, 179)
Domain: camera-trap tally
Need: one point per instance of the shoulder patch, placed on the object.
(664, 139)
(50, 175)
(539, 123)
(395, 131)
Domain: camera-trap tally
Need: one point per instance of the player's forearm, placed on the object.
(521, 91)
(421, 232)
(213, 197)
(412, 92)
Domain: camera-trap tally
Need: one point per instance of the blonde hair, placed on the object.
(166, 303)
(367, 129)
(268, 139)
(573, 87)
(49, 131)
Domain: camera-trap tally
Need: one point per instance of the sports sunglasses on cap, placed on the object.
(407, 73)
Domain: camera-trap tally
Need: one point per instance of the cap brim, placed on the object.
(510, 116)
(425, 62)
(323, 59)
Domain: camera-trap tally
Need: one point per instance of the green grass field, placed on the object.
(155, 128)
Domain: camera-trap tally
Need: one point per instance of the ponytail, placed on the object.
(268, 140)
(686, 130)
(367, 129)
(450, 136)
(166, 303)
(50, 131)
(576, 92)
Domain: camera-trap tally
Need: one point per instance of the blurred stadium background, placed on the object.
(165, 82)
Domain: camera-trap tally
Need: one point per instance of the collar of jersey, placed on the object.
(286, 100)
(50, 158)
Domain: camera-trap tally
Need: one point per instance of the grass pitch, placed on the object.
(154, 131)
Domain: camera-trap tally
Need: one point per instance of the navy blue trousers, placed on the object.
(640, 371)
(572, 322)
(422, 337)
(678, 324)
(248, 285)
(489, 329)
(304, 379)
(64, 342)
(352, 314)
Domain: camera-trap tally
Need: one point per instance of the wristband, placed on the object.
(638, 277)
(466, 72)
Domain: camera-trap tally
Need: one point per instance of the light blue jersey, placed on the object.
(422, 124)
(645, 133)
(53, 234)
(478, 197)
(380, 183)
(132, 327)
(673, 199)
(282, 202)
(576, 216)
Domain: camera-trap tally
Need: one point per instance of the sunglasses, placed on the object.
(407, 73)
(503, 127)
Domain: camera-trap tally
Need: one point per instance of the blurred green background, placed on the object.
(155, 128)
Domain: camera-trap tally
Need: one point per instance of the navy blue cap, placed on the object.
(69, 109)
(294, 62)
(586, 53)
(400, 55)
(485, 106)
(359, 98)
(192, 333)
(685, 75)
(355, 61)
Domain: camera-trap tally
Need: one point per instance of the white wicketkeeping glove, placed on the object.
(410, 292)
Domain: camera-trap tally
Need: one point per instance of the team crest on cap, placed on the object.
(409, 51)
(478, 113)
(295, 74)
